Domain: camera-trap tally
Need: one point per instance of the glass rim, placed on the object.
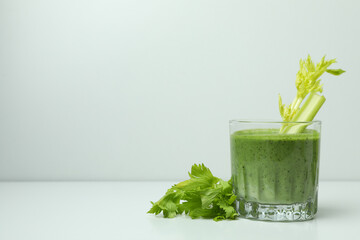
(271, 121)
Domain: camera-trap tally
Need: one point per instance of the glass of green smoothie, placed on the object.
(275, 174)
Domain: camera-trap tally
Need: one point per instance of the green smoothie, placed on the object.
(272, 168)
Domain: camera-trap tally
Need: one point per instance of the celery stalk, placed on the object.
(306, 113)
(307, 82)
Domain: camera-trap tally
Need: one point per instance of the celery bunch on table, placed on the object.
(203, 195)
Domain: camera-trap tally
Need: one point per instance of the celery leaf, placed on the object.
(335, 72)
(203, 195)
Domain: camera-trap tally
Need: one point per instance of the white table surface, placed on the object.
(117, 210)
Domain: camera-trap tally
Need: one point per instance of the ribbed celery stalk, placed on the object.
(306, 113)
(307, 82)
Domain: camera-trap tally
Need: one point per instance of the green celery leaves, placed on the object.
(203, 195)
(335, 72)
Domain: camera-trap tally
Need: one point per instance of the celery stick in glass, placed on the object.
(307, 82)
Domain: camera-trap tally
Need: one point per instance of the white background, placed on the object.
(142, 89)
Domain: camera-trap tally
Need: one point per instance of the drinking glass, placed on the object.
(275, 169)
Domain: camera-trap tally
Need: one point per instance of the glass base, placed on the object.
(276, 212)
